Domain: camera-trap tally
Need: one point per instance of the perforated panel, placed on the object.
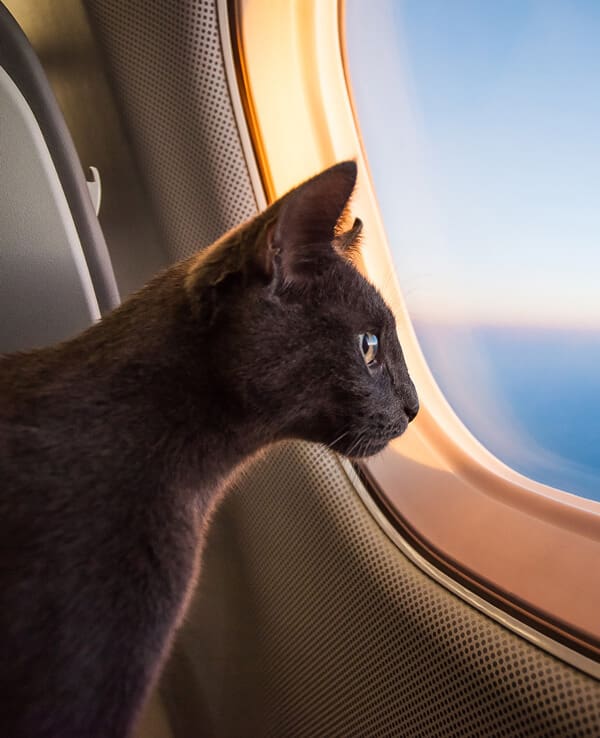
(307, 620)
(333, 632)
(166, 65)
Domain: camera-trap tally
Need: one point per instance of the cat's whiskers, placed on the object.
(325, 448)
(355, 446)
(336, 440)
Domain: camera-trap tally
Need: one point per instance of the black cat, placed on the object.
(114, 445)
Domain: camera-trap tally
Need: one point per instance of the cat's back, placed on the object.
(32, 391)
(38, 449)
(22, 375)
(23, 383)
(85, 590)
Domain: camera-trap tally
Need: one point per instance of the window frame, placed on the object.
(522, 546)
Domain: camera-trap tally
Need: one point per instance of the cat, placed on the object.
(114, 446)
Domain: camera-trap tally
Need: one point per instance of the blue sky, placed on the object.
(481, 122)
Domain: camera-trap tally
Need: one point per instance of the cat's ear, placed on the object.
(347, 243)
(305, 226)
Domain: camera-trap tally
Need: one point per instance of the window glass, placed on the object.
(481, 122)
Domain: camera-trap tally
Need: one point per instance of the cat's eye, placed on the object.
(369, 346)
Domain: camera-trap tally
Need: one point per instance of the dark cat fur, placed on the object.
(113, 444)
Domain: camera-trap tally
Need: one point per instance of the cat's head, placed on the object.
(301, 340)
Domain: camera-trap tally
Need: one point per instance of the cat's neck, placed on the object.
(133, 382)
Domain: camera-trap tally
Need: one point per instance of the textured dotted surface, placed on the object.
(349, 638)
(166, 65)
(331, 630)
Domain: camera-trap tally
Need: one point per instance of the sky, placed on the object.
(482, 126)
(481, 123)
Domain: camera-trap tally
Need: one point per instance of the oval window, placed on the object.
(481, 122)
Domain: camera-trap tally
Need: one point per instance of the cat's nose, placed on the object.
(411, 410)
(411, 402)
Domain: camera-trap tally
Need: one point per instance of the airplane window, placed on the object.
(481, 122)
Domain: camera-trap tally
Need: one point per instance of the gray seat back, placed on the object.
(55, 273)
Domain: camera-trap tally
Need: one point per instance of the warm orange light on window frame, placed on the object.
(530, 549)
